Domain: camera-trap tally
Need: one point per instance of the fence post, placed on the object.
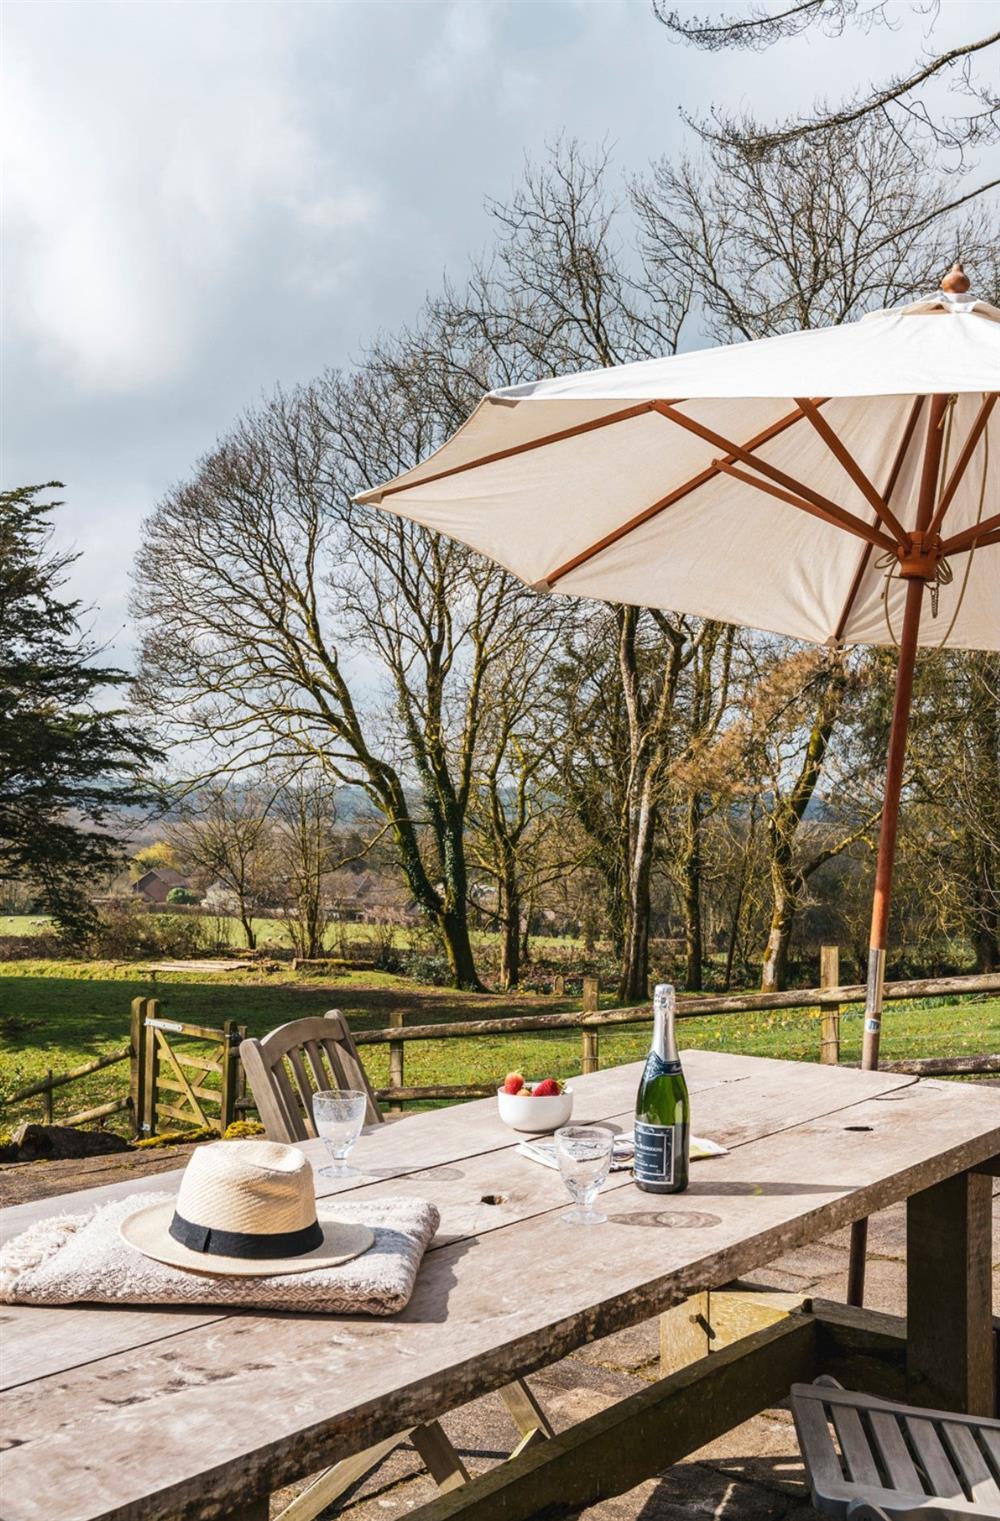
(230, 1074)
(397, 1057)
(591, 1038)
(137, 1036)
(48, 1097)
(151, 1010)
(239, 1100)
(829, 977)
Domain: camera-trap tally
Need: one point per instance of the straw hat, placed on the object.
(247, 1209)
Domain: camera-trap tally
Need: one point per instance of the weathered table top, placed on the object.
(167, 1414)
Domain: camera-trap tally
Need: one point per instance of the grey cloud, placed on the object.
(205, 199)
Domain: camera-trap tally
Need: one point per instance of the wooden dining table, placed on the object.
(151, 1414)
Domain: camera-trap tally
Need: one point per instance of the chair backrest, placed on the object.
(295, 1061)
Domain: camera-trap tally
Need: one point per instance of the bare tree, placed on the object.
(694, 789)
(780, 744)
(306, 853)
(285, 625)
(224, 833)
(516, 809)
(818, 232)
(905, 98)
(955, 790)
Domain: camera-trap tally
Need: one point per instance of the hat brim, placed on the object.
(148, 1230)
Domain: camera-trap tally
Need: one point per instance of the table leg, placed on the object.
(949, 1335)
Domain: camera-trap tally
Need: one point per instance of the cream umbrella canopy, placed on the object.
(839, 485)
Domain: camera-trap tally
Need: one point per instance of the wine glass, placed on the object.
(584, 1153)
(339, 1116)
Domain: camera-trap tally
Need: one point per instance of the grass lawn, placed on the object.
(273, 933)
(59, 1015)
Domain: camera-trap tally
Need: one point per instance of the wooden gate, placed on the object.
(173, 1066)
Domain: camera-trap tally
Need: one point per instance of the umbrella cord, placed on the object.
(944, 572)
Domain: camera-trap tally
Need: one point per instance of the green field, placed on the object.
(57, 1015)
(273, 934)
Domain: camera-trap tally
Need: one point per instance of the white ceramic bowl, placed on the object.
(523, 1112)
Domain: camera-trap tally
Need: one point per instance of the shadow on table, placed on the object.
(429, 1304)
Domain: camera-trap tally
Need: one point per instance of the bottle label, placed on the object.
(654, 1152)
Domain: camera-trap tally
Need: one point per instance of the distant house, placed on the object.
(357, 896)
(154, 885)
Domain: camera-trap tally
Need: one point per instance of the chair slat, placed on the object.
(854, 1444)
(991, 1442)
(971, 1464)
(342, 1069)
(305, 1088)
(894, 1452)
(942, 1481)
(817, 1446)
(299, 1122)
(314, 1053)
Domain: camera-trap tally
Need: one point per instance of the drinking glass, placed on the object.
(339, 1115)
(584, 1153)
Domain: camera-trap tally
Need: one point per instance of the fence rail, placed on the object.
(160, 1065)
(168, 1081)
(828, 999)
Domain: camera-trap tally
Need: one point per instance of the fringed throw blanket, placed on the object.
(72, 1259)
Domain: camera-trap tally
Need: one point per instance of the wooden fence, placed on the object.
(164, 1064)
(46, 1086)
(828, 1000)
(169, 1080)
(169, 1073)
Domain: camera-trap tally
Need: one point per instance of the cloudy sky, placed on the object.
(206, 197)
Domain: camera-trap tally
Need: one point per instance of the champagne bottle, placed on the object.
(662, 1107)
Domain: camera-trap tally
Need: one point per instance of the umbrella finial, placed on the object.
(956, 282)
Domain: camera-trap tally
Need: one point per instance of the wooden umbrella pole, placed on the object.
(918, 565)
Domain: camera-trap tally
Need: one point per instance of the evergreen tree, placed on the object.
(67, 765)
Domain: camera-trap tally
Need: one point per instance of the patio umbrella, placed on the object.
(839, 485)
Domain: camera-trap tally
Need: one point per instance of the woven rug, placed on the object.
(74, 1259)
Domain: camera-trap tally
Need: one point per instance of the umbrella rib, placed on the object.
(890, 487)
(844, 457)
(678, 493)
(992, 537)
(962, 463)
(980, 533)
(836, 518)
(801, 493)
(533, 443)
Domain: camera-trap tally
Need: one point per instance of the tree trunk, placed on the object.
(510, 933)
(453, 927)
(784, 889)
(448, 913)
(635, 960)
(737, 915)
(985, 909)
(783, 824)
(246, 919)
(525, 925)
(693, 949)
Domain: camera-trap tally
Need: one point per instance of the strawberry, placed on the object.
(513, 1082)
(547, 1089)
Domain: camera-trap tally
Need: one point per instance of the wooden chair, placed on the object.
(295, 1061)
(894, 1462)
(284, 1071)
